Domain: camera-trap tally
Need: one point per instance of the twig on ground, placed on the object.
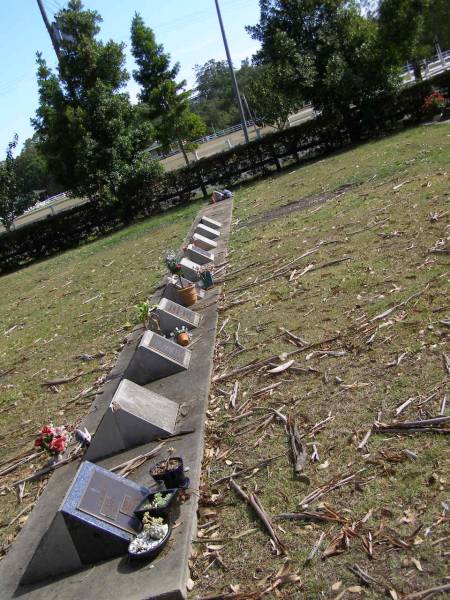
(328, 487)
(315, 547)
(298, 450)
(429, 593)
(254, 502)
(255, 467)
(260, 363)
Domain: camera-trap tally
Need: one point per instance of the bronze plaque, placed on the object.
(111, 501)
(168, 349)
(180, 311)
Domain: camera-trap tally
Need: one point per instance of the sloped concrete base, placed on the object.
(116, 578)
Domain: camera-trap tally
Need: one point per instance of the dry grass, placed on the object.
(385, 225)
(80, 302)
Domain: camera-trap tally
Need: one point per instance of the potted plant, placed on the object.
(181, 335)
(158, 504)
(52, 440)
(151, 540)
(170, 472)
(188, 293)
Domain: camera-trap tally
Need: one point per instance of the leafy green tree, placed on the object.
(89, 133)
(215, 101)
(330, 51)
(165, 99)
(271, 103)
(214, 98)
(410, 30)
(12, 201)
(402, 30)
(32, 170)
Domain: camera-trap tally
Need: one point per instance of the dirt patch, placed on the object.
(296, 206)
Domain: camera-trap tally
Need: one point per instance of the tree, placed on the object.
(12, 202)
(32, 170)
(165, 99)
(89, 133)
(402, 28)
(215, 101)
(269, 101)
(410, 30)
(330, 51)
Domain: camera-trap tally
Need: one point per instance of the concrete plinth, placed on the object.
(156, 357)
(198, 255)
(96, 521)
(135, 416)
(171, 315)
(210, 222)
(190, 269)
(207, 232)
(203, 242)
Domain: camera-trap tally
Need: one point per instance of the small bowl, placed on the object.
(153, 551)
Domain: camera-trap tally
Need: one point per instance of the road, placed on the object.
(234, 139)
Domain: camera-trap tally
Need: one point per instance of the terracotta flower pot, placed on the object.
(183, 339)
(188, 295)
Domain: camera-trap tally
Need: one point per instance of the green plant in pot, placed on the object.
(181, 335)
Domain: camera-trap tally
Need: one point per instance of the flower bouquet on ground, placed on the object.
(434, 103)
(53, 440)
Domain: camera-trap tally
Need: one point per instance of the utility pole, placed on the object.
(233, 76)
(51, 33)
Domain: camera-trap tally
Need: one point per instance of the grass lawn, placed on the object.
(360, 272)
(52, 312)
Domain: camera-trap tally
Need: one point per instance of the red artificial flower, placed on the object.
(47, 430)
(38, 442)
(58, 444)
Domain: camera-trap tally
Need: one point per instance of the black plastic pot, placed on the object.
(153, 552)
(162, 511)
(172, 478)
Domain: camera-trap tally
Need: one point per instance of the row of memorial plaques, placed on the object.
(96, 520)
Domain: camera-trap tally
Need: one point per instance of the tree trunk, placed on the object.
(180, 143)
(416, 69)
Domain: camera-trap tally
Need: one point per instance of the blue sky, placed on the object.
(188, 29)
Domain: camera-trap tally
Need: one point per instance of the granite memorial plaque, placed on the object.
(198, 255)
(211, 223)
(189, 269)
(99, 512)
(95, 522)
(135, 416)
(206, 231)
(203, 242)
(171, 315)
(156, 357)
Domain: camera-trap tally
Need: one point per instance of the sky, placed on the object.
(188, 29)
